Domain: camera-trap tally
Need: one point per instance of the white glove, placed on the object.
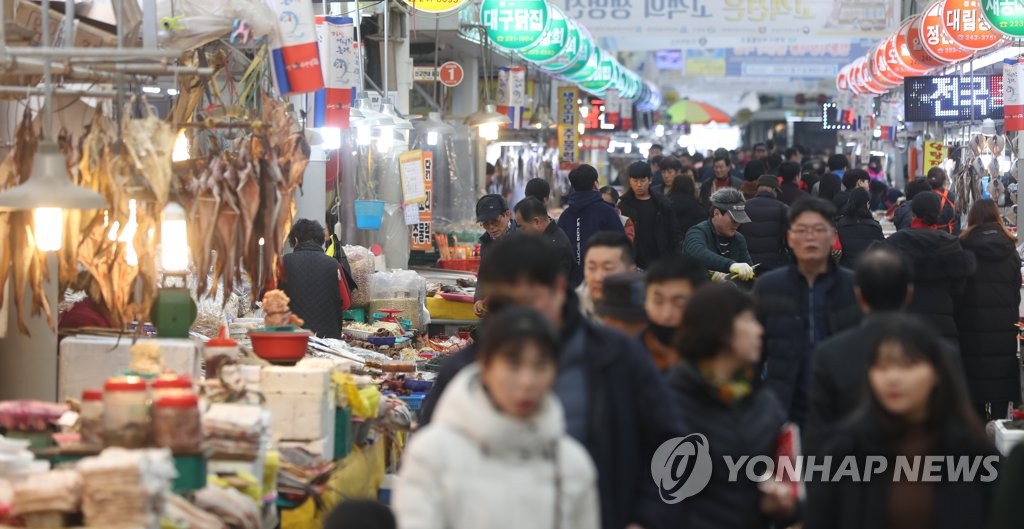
(719, 277)
(742, 271)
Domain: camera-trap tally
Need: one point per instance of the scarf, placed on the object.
(918, 223)
(729, 391)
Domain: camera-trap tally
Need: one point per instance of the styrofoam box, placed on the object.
(295, 380)
(86, 362)
(297, 417)
(1006, 439)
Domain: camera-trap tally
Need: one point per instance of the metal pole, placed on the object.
(1018, 142)
(69, 23)
(47, 77)
(95, 53)
(31, 91)
(387, 48)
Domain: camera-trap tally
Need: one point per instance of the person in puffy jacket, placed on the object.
(497, 454)
(587, 214)
(716, 387)
(987, 316)
(857, 228)
(766, 231)
(310, 278)
(941, 266)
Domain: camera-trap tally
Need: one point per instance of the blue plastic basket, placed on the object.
(369, 214)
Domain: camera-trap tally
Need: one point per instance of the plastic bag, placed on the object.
(401, 289)
(192, 23)
(361, 261)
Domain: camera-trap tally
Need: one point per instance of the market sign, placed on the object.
(967, 27)
(552, 42)
(953, 98)
(584, 72)
(568, 126)
(934, 155)
(935, 39)
(514, 24)
(437, 7)
(574, 44)
(602, 77)
(1005, 16)
(911, 47)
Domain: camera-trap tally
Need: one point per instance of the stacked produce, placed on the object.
(55, 491)
(126, 487)
(234, 431)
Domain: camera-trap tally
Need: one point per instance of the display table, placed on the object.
(443, 310)
(87, 361)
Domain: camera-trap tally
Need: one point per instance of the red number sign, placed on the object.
(451, 74)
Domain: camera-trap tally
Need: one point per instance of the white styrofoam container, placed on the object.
(86, 362)
(295, 380)
(299, 417)
(1006, 439)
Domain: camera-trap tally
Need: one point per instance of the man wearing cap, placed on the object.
(622, 305)
(493, 214)
(717, 244)
(766, 232)
(586, 215)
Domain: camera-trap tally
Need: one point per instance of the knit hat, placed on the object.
(768, 180)
(623, 297)
(927, 207)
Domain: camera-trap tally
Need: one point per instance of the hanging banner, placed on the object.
(641, 25)
(626, 113)
(1005, 16)
(436, 7)
(612, 102)
(568, 126)
(967, 27)
(1013, 96)
(411, 168)
(935, 39)
(514, 24)
(422, 233)
(339, 60)
(934, 154)
(295, 56)
(511, 98)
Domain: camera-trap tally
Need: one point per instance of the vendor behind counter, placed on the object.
(314, 281)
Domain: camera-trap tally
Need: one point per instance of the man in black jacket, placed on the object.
(532, 217)
(657, 231)
(615, 402)
(766, 231)
(586, 215)
(789, 190)
(840, 363)
(803, 303)
(852, 179)
(722, 178)
(311, 280)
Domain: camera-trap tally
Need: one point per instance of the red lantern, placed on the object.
(935, 39)
(843, 79)
(911, 48)
(880, 67)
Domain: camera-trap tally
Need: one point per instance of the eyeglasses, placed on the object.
(817, 231)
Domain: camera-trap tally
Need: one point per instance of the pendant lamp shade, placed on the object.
(488, 116)
(49, 186)
(541, 118)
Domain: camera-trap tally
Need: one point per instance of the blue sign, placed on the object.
(953, 98)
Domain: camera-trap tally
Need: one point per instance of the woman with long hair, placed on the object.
(496, 454)
(987, 315)
(720, 344)
(681, 191)
(857, 228)
(915, 407)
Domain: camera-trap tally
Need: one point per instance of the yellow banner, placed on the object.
(934, 155)
(568, 125)
(436, 6)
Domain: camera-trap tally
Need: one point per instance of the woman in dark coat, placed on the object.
(720, 343)
(682, 193)
(857, 228)
(915, 407)
(988, 314)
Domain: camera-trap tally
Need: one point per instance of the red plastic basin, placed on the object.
(280, 346)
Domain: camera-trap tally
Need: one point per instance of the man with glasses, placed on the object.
(494, 216)
(716, 243)
(803, 303)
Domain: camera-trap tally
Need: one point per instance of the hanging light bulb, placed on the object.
(489, 131)
(363, 134)
(48, 228)
(173, 239)
(489, 122)
(432, 138)
(385, 138)
(181, 146)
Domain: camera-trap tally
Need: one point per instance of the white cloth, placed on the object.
(587, 304)
(474, 467)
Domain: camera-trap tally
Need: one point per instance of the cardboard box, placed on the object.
(30, 16)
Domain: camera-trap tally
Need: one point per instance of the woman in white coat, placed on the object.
(496, 454)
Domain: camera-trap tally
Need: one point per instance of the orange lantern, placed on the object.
(880, 67)
(935, 39)
(967, 27)
(911, 47)
(843, 79)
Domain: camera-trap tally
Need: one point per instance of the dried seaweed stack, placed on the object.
(126, 487)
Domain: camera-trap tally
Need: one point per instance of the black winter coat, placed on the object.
(941, 269)
(311, 283)
(688, 209)
(791, 313)
(902, 216)
(748, 427)
(857, 234)
(987, 317)
(666, 228)
(864, 505)
(789, 193)
(707, 187)
(766, 233)
(631, 413)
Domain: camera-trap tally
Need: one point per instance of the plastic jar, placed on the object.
(176, 423)
(91, 417)
(171, 384)
(125, 412)
(219, 351)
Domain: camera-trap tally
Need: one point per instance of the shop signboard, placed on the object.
(911, 47)
(551, 42)
(1013, 96)
(514, 24)
(568, 126)
(571, 49)
(953, 98)
(967, 27)
(587, 69)
(934, 155)
(935, 38)
(1005, 16)
(422, 233)
(601, 79)
(450, 74)
(596, 143)
(436, 7)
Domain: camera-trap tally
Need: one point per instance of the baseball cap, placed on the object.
(490, 207)
(731, 200)
(623, 297)
(768, 180)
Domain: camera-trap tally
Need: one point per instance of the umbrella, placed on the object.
(695, 113)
